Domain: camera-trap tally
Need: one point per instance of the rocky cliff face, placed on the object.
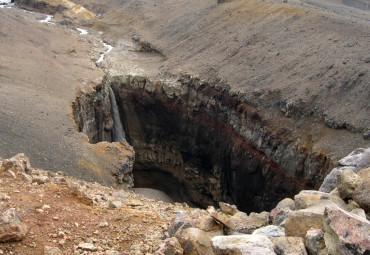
(216, 145)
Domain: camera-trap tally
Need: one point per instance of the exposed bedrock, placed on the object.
(218, 147)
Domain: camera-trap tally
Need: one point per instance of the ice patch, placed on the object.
(47, 20)
(82, 31)
(108, 49)
(6, 4)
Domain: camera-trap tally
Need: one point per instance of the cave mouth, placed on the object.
(206, 145)
(197, 154)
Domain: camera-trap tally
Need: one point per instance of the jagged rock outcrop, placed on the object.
(70, 11)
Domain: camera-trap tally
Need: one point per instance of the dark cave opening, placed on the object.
(207, 159)
(215, 146)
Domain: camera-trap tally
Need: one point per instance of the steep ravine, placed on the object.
(218, 147)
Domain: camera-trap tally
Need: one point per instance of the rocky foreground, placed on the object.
(50, 213)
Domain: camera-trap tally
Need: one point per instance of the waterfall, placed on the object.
(117, 133)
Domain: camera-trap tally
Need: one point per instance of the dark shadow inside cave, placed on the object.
(159, 180)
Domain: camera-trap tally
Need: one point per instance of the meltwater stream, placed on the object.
(117, 133)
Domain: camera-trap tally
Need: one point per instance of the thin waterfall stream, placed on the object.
(117, 133)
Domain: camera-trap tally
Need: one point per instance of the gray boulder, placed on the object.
(270, 231)
(358, 158)
(329, 182)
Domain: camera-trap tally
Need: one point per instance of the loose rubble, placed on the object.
(61, 215)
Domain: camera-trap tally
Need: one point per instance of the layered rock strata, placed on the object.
(216, 145)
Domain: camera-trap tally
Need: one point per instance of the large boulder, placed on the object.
(289, 246)
(361, 195)
(347, 181)
(306, 198)
(329, 182)
(345, 233)
(11, 227)
(299, 222)
(242, 244)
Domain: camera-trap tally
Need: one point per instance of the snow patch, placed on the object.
(82, 31)
(6, 4)
(108, 49)
(47, 20)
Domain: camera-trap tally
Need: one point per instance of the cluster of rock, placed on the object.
(18, 177)
(315, 222)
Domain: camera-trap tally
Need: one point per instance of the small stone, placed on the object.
(38, 210)
(228, 209)
(40, 179)
(87, 247)
(366, 135)
(48, 250)
(115, 204)
(11, 227)
(55, 218)
(61, 234)
(103, 224)
(4, 197)
(10, 174)
(45, 207)
(26, 177)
